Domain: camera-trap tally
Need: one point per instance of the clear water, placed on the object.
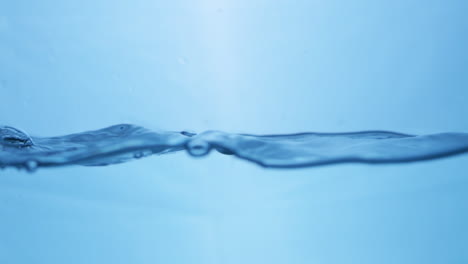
(243, 67)
(120, 143)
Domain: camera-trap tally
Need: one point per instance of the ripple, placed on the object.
(124, 142)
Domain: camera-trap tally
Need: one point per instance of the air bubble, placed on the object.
(31, 165)
(198, 148)
(141, 154)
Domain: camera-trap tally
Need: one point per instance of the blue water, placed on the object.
(244, 69)
(123, 142)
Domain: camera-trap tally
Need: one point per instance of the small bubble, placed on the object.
(198, 148)
(31, 165)
(141, 154)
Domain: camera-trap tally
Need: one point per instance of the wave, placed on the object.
(124, 142)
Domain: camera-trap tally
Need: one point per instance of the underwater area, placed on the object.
(234, 131)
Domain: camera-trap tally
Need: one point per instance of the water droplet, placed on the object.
(31, 165)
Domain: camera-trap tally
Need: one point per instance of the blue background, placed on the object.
(238, 66)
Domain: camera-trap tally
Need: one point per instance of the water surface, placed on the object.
(123, 142)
